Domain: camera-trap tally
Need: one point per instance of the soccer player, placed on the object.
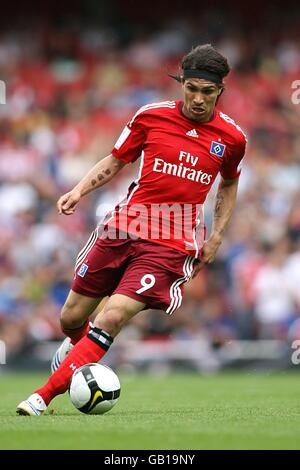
(153, 241)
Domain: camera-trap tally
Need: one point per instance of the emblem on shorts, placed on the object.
(83, 269)
(217, 149)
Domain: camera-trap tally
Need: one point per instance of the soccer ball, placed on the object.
(94, 389)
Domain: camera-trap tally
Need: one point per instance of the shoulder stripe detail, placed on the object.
(162, 104)
(231, 121)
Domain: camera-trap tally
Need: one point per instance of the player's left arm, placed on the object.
(225, 202)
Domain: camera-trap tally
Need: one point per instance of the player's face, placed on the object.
(200, 98)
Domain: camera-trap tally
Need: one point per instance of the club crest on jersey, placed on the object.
(83, 269)
(217, 149)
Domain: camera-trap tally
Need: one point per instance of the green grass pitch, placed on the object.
(188, 411)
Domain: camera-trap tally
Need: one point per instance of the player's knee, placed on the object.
(70, 317)
(111, 320)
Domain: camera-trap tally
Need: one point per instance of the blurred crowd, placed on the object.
(70, 92)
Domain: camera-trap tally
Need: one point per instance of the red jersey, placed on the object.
(180, 160)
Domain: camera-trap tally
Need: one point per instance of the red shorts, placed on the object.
(148, 272)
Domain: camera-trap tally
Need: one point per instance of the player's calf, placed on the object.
(73, 336)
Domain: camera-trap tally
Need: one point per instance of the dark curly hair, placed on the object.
(206, 57)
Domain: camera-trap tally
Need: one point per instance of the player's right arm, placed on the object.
(99, 175)
(127, 149)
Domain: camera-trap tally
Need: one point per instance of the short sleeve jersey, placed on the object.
(180, 160)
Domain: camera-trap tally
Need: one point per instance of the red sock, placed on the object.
(77, 333)
(91, 348)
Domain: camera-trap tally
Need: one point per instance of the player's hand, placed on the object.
(198, 266)
(68, 202)
(208, 254)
